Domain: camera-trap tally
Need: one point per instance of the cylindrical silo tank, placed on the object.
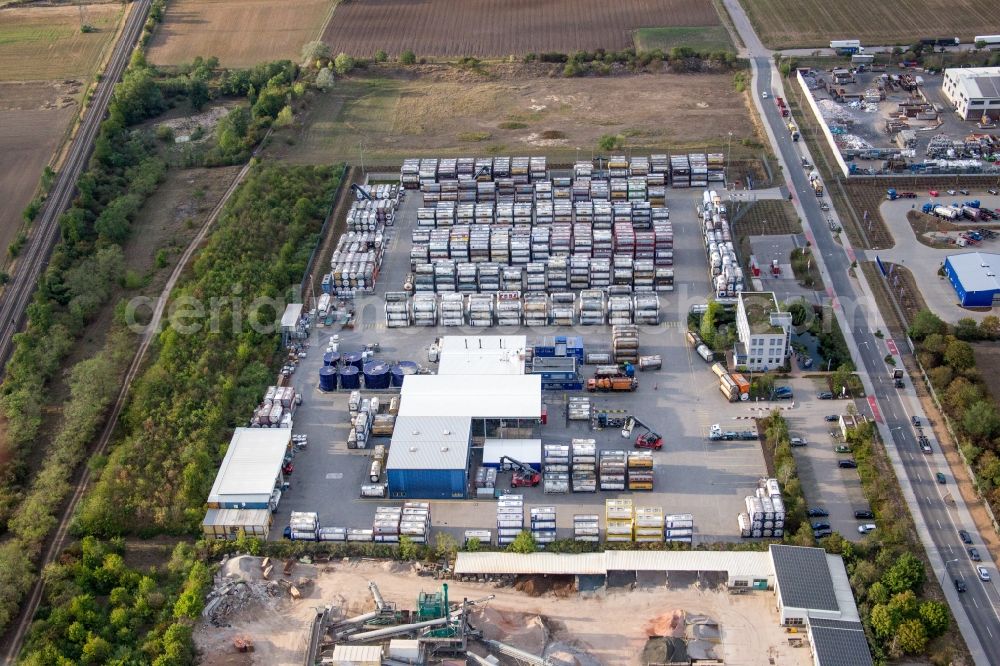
(400, 371)
(377, 375)
(327, 378)
(353, 358)
(331, 358)
(350, 378)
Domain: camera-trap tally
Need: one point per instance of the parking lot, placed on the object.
(681, 401)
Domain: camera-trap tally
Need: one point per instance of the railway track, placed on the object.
(35, 255)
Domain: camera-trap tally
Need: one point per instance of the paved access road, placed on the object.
(35, 255)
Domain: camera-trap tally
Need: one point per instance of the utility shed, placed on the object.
(227, 523)
(251, 469)
(429, 457)
(482, 355)
(356, 655)
(973, 275)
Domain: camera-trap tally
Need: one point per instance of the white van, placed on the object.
(866, 528)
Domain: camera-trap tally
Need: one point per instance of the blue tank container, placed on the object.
(353, 358)
(350, 378)
(331, 358)
(377, 375)
(327, 378)
(400, 370)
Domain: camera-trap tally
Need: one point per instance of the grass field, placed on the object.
(805, 23)
(704, 38)
(499, 28)
(241, 33)
(29, 134)
(42, 43)
(445, 112)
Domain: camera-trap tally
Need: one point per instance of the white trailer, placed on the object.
(992, 41)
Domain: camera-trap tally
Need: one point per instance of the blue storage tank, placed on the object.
(350, 378)
(353, 358)
(327, 378)
(331, 358)
(400, 370)
(377, 375)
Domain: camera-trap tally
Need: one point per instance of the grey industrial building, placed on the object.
(973, 275)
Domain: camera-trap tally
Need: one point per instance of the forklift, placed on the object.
(650, 439)
(524, 475)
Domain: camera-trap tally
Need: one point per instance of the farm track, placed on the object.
(487, 28)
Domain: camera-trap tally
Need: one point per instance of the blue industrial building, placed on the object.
(429, 457)
(974, 278)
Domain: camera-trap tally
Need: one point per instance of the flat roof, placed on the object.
(570, 564)
(482, 355)
(758, 306)
(357, 653)
(524, 450)
(839, 643)
(237, 517)
(977, 271)
(977, 82)
(430, 442)
(290, 318)
(253, 462)
(804, 579)
(486, 396)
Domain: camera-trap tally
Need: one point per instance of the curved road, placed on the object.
(937, 521)
(35, 254)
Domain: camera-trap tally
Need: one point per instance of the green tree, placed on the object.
(989, 327)
(381, 56)
(967, 328)
(935, 617)
(96, 650)
(343, 64)
(407, 549)
(313, 51)
(523, 543)
(708, 325)
(877, 593)
(941, 377)
(926, 322)
(981, 421)
(473, 545)
(960, 395)
(906, 574)
(959, 355)
(324, 79)
(609, 141)
(285, 117)
(445, 545)
(840, 379)
(884, 620)
(905, 603)
(911, 637)
(407, 57)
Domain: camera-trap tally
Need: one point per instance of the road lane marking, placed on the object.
(939, 524)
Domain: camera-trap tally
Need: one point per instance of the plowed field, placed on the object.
(502, 27)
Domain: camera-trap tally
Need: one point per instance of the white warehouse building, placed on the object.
(764, 332)
(973, 91)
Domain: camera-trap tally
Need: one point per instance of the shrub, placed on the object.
(407, 57)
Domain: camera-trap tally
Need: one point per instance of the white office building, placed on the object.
(764, 331)
(973, 91)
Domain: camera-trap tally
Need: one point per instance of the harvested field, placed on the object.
(444, 112)
(704, 38)
(32, 125)
(239, 33)
(803, 23)
(45, 42)
(496, 28)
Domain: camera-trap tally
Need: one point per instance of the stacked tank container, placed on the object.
(556, 466)
(625, 343)
(578, 408)
(612, 470)
(592, 309)
(649, 524)
(424, 310)
(385, 526)
(678, 527)
(587, 527)
(543, 524)
(509, 308)
(480, 310)
(640, 470)
(304, 525)
(765, 514)
(536, 309)
(584, 465)
(451, 310)
(397, 309)
(646, 309)
(561, 309)
(619, 520)
(415, 521)
(510, 518)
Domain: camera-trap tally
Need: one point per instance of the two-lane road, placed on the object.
(942, 521)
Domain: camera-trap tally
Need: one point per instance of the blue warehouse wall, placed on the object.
(427, 483)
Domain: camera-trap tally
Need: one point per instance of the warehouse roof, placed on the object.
(525, 450)
(839, 643)
(430, 442)
(482, 355)
(804, 579)
(977, 82)
(977, 271)
(253, 462)
(535, 563)
(236, 517)
(496, 396)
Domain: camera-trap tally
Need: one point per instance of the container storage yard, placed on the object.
(490, 331)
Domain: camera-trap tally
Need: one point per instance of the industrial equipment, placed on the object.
(649, 439)
(524, 475)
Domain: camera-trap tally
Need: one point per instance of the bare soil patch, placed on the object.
(392, 115)
(501, 28)
(241, 33)
(45, 42)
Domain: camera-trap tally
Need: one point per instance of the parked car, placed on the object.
(819, 534)
(915, 420)
(824, 395)
(864, 513)
(960, 585)
(951, 192)
(993, 191)
(940, 478)
(964, 192)
(847, 464)
(831, 418)
(817, 512)
(797, 441)
(287, 532)
(866, 528)
(964, 536)
(843, 448)
(984, 574)
(974, 555)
